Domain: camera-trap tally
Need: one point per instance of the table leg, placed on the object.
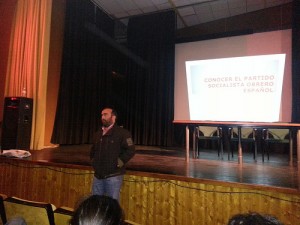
(298, 148)
(187, 146)
(240, 153)
(291, 146)
(194, 142)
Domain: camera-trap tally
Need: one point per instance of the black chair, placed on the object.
(250, 137)
(276, 136)
(208, 134)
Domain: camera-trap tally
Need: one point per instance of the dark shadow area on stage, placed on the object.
(275, 172)
(278, 155)
(168, 162)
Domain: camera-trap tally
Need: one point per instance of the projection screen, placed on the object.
(243, 78)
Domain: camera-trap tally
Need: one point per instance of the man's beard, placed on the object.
(106, 123)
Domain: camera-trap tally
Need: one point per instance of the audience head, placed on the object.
(253, 219)
(98, 210)
(16, 221)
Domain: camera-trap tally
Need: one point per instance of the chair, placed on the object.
(208, 133)
(277, 136)
(248, 135)
(34, 213)
(129, 222)
(63, 215)
(2, 211)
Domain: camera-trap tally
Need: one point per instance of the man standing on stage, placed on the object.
(111, 150)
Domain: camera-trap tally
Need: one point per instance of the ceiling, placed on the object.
(189, 12)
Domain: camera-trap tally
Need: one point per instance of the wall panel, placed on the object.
(151, 198)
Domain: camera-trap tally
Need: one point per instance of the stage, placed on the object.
(275, 172)
(161, 186)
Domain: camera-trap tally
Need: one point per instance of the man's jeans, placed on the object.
(110, 186)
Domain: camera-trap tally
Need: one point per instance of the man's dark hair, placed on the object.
(114, 112)
(98, 210)
(253, 219)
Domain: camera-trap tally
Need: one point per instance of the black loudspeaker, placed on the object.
(17, 122)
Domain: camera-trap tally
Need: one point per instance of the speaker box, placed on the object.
(17, 121)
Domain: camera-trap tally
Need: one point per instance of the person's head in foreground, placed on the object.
(253, 219)
(98, 210)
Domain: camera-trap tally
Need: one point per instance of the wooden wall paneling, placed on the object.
(150, 199)
(198, 203)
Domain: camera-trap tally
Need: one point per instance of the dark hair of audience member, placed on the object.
(253, 219)
(98, 210)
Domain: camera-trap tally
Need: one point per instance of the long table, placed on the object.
(259, 125)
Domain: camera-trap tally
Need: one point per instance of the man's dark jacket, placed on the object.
(110, 152)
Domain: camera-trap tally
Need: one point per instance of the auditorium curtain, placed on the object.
(151, 85)
(86, 73)
(97, 71)
(28, 60)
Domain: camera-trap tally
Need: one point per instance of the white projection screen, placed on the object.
(242, 78)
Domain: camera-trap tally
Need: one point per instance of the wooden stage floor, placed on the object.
(276, 172)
